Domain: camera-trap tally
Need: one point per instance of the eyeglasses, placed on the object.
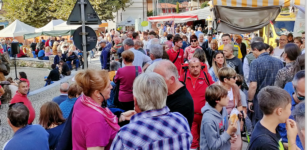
(194, 40)
(299, 97)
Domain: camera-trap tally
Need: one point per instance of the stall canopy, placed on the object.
(177, 18)
(201, 13)
(50, 26)
(128, 22)
(17, 28)
(64, 26)
(244, 16)
(49, 33)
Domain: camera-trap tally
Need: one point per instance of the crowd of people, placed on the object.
(180, 90)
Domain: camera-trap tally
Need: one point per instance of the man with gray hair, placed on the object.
(179, 99)
(232, 61)
(296, 97)
(156, 52)
(167, 130)
(299, 116)
(64, 93)
(138, 45)
(139, 57)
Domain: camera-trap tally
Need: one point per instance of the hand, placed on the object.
(291, 132)
(232, 128)
(233, 138)
(127, 115)
(249, 106)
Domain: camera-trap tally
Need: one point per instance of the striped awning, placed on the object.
(178, 18)
(258, 3)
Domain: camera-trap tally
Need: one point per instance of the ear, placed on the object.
(136, 106)
(279, 111)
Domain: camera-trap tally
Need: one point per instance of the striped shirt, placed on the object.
(154, 129)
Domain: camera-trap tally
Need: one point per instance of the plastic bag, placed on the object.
(234, 119)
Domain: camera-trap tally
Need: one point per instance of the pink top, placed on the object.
(90, 129)
(189, 51)
(48, 54)
(126, 77)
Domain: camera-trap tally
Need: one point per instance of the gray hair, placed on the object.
(128, 42)
(138, 42)
(299, 115)
(298, 76)
(201, 34)
(63, 88)
(155, 41)
(168, 68)
(257, 39)
(123, 37)
(150, 91)
(156, 50)
(114, 66)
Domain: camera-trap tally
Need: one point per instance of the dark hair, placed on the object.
(128, 56)
(53, 66)
(239, 80)
(260, 46)
(134, 35)
(272, 97)
(303, 32)
(299, 39)
(192, 38)
(169, 36)
(292, 51)
(18, 114)
(50, 113)
(226, 35)
(177, 39)
(298, 76)
(152, 33)
(74, 90)
(290, 34)
(299, 63)
(215, 93)
(23, 75)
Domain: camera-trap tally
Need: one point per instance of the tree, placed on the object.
(177, 7)
(38, 13)
(204, 4)
(33, 12)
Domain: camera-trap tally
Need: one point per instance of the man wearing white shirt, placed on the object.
(152, 35)
(283, 40)
(139, 57)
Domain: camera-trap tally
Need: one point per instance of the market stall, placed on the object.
(15, 29)
(237, 16)
(50, 26)
(50, 33)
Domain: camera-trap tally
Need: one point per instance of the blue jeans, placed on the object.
(76, 62)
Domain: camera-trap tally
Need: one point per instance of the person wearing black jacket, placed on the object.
(72, 58)
(211, 51)
(206, 44)
(54, 75)
(33, 45)
(65, 71)
(242, 46)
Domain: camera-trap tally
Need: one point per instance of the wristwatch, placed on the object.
(250, 101)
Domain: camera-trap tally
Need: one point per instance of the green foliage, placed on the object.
(38, 13)
(149, 13)
(204, 4)
(177, 7)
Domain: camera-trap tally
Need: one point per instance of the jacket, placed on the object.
(213, 135)
(205, 45)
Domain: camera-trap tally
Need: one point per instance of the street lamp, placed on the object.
(1, 3)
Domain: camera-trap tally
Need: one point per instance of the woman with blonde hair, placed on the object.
(55, 48)
(218, 61)
(93, 124)
(47, 51)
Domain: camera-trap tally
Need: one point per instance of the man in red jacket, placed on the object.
(176, 53)
(196, 82)
(21, 97)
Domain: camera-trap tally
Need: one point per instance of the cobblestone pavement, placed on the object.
(36, 78)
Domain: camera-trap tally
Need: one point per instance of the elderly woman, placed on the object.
(52, 120)
(71, 59)
(125, 77)
(201, 39)
(189, 51)
(153, 118)
(94, 126)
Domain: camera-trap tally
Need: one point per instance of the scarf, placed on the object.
(106, 113)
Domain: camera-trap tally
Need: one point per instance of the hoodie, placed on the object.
(213, 135)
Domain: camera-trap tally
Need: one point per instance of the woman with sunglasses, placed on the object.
(189, 51)
(228, 80)
(94, 126)
(218, 61)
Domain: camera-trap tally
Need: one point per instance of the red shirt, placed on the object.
(197, 89)
(23, 98)
(172, 56)
(47, 43)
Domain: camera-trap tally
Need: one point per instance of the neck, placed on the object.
(15, 129)
(176, 48)
(288, 60)
(218, 108)
(281, 47)
(230, 57)
(128, 64)
(177, 85)
(96, 100)
(228, 87)
(195, 76)
(270, 123)
(219, 65)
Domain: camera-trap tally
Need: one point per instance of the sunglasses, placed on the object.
(194, 40)
(299, 97)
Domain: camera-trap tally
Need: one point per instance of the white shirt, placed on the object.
(139, 58)
(246, 70)
(277, 52)
(303, 51)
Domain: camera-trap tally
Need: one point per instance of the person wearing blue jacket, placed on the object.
(105, 54)
(215, 132)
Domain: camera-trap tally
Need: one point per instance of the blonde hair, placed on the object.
(143, 88)
(214, 65)
(215, 42)
(226, 73)
(90, 80)
(47, 49)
